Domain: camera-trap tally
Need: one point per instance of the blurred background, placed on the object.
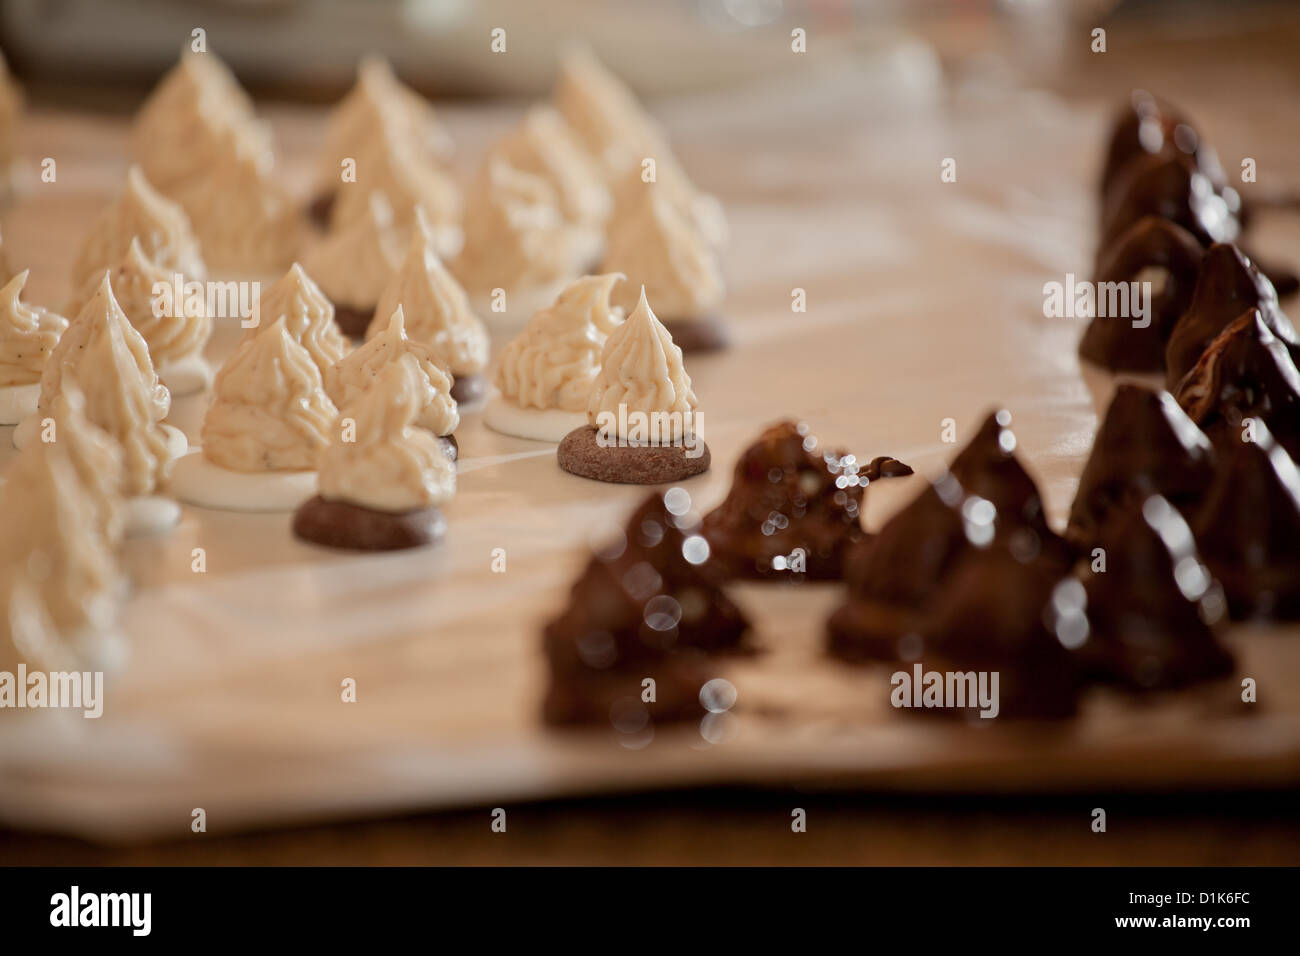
(307, 49)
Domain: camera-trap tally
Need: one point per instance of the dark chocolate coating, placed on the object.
(641, 609)
(1246, 372)
(1112, 342)
(1144, 632)
(988, 467)
(1149, 125)
(581, 454)
(1146, 445)
(884, 466)
(1248, 530)
(990, 616)
(893, 576)
(468, 389)
(786, 495)
(353, 321)
(705, 334)
(1227, 285)
(353, 527)
(1171, 187)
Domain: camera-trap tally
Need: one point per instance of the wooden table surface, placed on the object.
(1211, 76)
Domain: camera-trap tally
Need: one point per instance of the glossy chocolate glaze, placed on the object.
(988, 468)
(642, 608)
(1157, 164)
(893, 577)
(1146, 445)
(1151, 126)
(1151, 608)
(1227, 285)
(1171, 187)
(1248, 530)
(991, 616)
(1245, 373)
(788, 492)
(896, 576)
(1113, 342)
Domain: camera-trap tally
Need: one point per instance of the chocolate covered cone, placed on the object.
(1149, 125)
(1170, 186)
(990, 618)
(1151, 609)
(988, 468)
(1227, 285)
(1113, 342)
(1245, 373)
(649, 605)
(1248, 530)
(895, 575)
(1146, 445)
(788, 495)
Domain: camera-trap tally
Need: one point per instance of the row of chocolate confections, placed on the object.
(1168, 212)
(969, 576)
(585, 180)
(653, 602)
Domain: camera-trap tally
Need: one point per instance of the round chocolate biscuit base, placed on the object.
(353, 321)
(352, 527)
(580, 453)
(469, 389)
(706, 334)
(319, 210)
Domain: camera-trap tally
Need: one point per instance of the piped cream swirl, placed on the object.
(659, 247)
(308, 315)
(436, 308)
(358, 258)
(111, 365)
(173, 330)
(544, 145)
(358, 372)
(553, 362)
(142, 213)
(269, 410)
(384, 463)
(641, 372)
(515, 236)
(28, 335)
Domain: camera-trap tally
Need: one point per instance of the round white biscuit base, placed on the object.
(18, 402)
(197, 481)
(539, 424)
(150, 514)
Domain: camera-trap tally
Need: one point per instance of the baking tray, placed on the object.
(924, 303)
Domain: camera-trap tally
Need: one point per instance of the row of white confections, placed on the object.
(114, 357)
(199, 141)
(62, 502)
(584, 181)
